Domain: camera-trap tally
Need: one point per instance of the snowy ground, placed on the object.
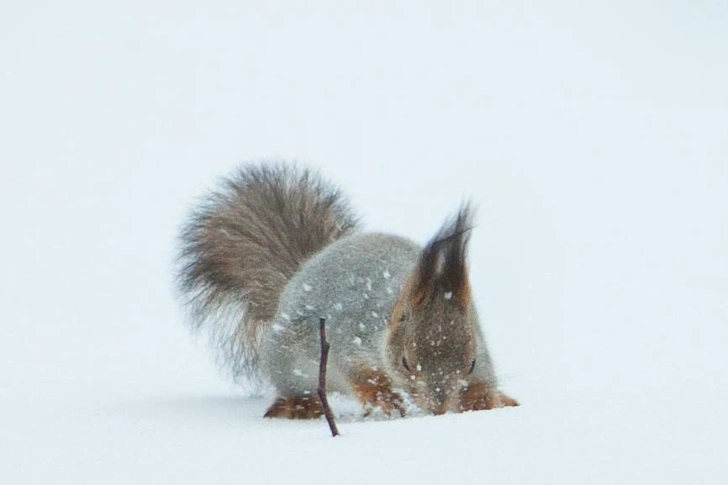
(593, 139)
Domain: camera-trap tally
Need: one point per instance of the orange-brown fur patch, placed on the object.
(374, 389)
(298, 407)
(420, 293)
(479, 396)
(399, 308)
(462, 294)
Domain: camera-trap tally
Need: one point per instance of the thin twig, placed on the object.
(322, 378)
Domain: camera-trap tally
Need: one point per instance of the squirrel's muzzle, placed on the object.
(438, 400)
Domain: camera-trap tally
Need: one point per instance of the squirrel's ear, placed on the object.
(442, 268)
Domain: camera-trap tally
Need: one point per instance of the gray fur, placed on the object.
(353, 283)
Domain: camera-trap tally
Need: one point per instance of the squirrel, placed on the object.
(276, 247)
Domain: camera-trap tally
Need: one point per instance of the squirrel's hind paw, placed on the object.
(390, 405)
(297, 407)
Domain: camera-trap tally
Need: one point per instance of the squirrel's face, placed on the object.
(431, 352)
(433, 334)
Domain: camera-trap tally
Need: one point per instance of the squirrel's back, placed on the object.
(244, 242)
(353, 283)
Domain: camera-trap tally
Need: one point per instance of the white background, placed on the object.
(592, 137)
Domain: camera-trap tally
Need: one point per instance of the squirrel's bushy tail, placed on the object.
(244, 242)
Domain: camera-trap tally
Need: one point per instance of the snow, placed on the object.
(592, 139)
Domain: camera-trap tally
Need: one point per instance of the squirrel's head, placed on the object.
(433, 335)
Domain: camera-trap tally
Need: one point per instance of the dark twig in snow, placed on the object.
(322, 378)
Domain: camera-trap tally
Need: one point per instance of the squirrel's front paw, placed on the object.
(373, 388)
(388, 403)
(479, 397)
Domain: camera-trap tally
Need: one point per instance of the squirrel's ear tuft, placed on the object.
(442, 269)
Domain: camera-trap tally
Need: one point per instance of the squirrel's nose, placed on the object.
(439, 401)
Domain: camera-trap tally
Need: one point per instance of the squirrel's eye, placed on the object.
(404, 363)
(403, 317)
(472, 367)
